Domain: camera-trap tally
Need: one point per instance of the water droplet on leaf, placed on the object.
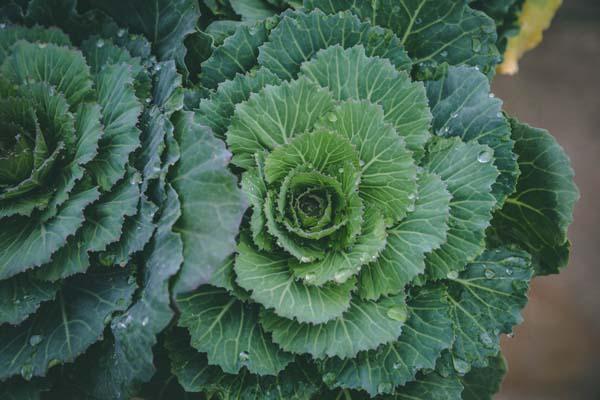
(384, 387)
(244, 356)
(100, 43)
(489, 274)
(486, 339)
(485, 156)
(332, 117)
(398, 313)
(27, 371)
(461, 366)
(452, 275)
(35, 340)
(121, 33)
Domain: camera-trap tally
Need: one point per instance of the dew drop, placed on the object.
(158, 67)
(361, 163)
(305, 259)
(398, 313)
(452, 275)
(412, 196)
(491, 95)
(510, 335)
(244, 356)
(342, 275)
(460, 366)
(397, 366)
(476, 45)
(454, 115)
(499, 115)
(53, 363)
(100, 43)
(121, 33)
(418, 21)
(332, 117)
(2, 26)
(145, 321)
(509, 271)
(27, 371)
(410, 208)
(35, 340)
(341, 170)
(384, 387)
(484, 157)
(310, 277)
(489, 274)
(444, 54)
(42, 45)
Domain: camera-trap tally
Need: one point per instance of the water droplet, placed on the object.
(485, 156)
(53, 363)
(500, 115)
(121, 33)
(148, 100)
(2, 26)
(397, 366)
(384, 387)
(361, 163)
(491, 95)
(342, 275)
(476, 45)
(27, 371)
(107, 319)
(131, 280)
(341, 170)
(42, 45)
(244, 356)
(510, 335)
(158, 67)
(35, 340)
(329, 378)
(461, 366)
(100, 43)
(410, 207)
(310, 277)
(444, 54)
(477, 67)
(332, 117)
(412, 196)
(398, 313)
(509, 271)
(486, 339)
(305, 259)
(418, 21)
(145, 321)
(452, 275)
(489, 274)
(454, 115)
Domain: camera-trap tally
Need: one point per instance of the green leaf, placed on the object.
(352, 74)
(484, 383)
(427, 332)
(120, 112)
(273, 117)
(36, 34)
(537, 215)
(66, 327)
(364, 326)
(252, 10)
(296, 382)
(224, 277)
(217, 110)
(211, 203)
(22, 295)
(228, 331)
(255, 188)
(129, 360)
(237, 54)
(433, 31)
(272, 283)
(164, 22)
(487, 299)
(299, 37)
(419, 233)
(388, 173)
(431, 387)
(30, 242)
(462, 105)
(468, 172)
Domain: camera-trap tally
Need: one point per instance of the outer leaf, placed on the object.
(431, 387)
(217, 110)
(463, 106)
(65, 328)
(309, 33)
(484, 383)
(21, 296)
(252, 10)
(364, 326)
(211, 204)
(10, 35)
(228, 331)
(537, 215)
(273, 285)
(296, 382)
(427, 332)
(30, 242)
(468, 172)
(487, 300)
(351, 74)
(273, 117)
(433, 31)
(420, 232)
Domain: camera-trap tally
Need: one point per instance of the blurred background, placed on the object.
(555, 353)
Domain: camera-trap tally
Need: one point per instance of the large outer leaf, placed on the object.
(468, 172)
(211, 203)
(314, 31)
(273, 285)
(433, 31)
(296, 382)
(351, 74)
(431, 387)
(486, 301)
(537, 215)
(484, 383)
(364, 326)
(66, 327)
(427, 332)
(228, 331)
(22, 295)
(462, 105)
(403, 258)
